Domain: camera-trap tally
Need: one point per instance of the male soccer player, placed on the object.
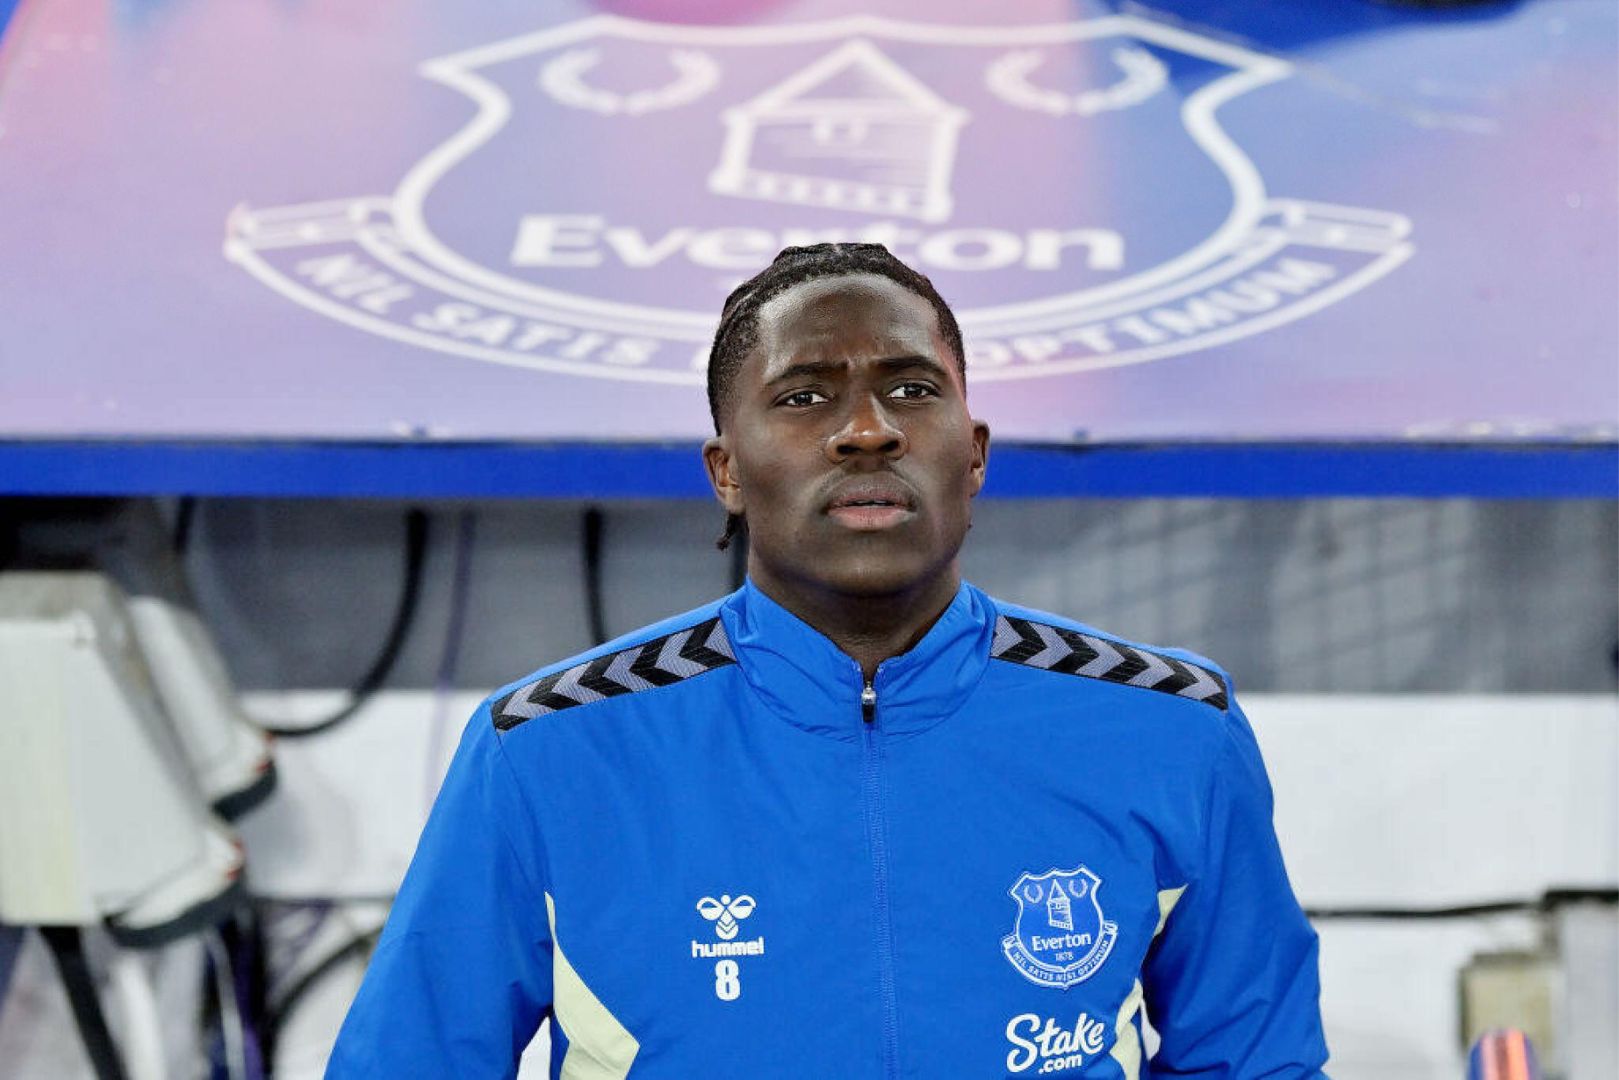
(857, 819)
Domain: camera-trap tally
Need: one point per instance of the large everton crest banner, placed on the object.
(1069, 184)
(509, 222)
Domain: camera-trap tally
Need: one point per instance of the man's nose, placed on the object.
(867, 429)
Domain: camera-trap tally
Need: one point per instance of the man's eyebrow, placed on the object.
(818, 368)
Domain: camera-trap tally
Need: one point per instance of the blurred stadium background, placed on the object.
(350, 367)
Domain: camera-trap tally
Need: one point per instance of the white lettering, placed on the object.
(630, 351)
(492, 331)
(540, 238)
(1295, 276)
(890, 235)
(1104, 248)
(1093, 338)
(379, 301)
(331, 269)
(1197, 315)
(999, 249)
(632, 248)
(1024, 1052)
(1140, 329)
(1037, 347)
(584, 240)
(987, 354)
(732, 249)
(349, 278)
(583, 345)
(1065, 941)
(470, 322)
(445, 317)
(1055, 1048)
(535, 334)
(711, 949)
(1249, 297)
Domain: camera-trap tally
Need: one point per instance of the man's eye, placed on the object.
(798, 399)
(912, 391)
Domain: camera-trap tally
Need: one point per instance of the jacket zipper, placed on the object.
(876, 833)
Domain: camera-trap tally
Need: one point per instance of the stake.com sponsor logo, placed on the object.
(1051, 1047)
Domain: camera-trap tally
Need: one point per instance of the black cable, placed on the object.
(10, 946)
(67, 948)
(591, 543)
(1461, 911)
(404, 616)
(281, 1009)
(1553, 900)
(243, 938)
(185, 516)
(11, 527)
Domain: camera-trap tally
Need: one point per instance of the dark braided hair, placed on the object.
(738, 331)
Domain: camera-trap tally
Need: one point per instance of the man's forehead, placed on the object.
(846, 292)
(845, 317)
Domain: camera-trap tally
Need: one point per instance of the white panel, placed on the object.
(1588, 935)
(1442, 799)
(351, 802)
(1389, 992)
(96, 803)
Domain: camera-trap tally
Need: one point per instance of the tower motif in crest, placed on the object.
(851, 131)
(1059, 911)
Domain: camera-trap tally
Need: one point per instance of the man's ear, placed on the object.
(722, 474)
(980, 465)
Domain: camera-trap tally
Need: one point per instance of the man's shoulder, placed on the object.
(1043, 641)
(675, 650)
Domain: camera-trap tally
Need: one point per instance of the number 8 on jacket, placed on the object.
(727, 981)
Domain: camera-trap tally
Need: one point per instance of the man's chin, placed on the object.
(874, 578)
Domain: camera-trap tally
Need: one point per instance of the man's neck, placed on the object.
(870, 628)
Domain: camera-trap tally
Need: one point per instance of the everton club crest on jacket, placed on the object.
(711, 849)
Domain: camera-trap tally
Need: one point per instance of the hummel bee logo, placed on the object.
(725, 913)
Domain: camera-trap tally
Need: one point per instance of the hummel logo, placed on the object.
(725, 913)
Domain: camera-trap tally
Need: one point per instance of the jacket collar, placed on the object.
(808, 681)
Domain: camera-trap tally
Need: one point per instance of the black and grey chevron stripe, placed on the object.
(1056, 648)
(659, 662)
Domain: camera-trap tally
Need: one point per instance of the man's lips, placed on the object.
(871, 502)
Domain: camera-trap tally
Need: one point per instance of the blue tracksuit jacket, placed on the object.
(709, 850)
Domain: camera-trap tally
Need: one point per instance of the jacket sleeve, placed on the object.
(461, 977)
(1232, 985)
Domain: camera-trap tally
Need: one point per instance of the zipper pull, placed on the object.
(868, 703)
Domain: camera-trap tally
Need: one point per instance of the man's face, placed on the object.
(847, 445)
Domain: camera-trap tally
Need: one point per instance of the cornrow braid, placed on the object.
(738, 331)
(735, 525)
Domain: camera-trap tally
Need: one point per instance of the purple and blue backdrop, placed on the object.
(1238, 248)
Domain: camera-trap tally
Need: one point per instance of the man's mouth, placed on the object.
(871, 504)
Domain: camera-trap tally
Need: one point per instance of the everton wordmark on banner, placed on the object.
(1069, 188)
